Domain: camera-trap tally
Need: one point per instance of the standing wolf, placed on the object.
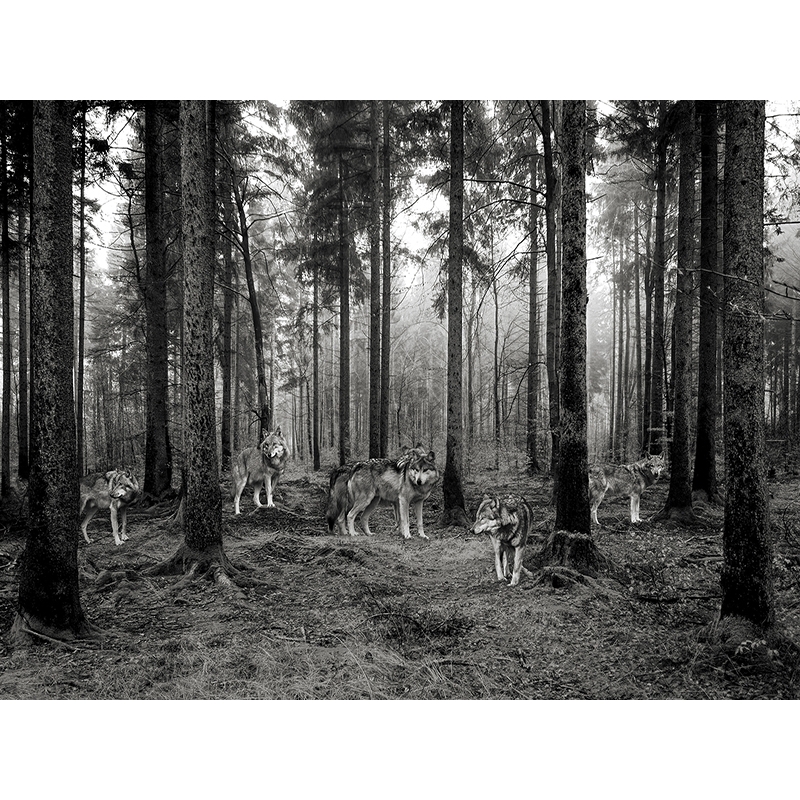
(620, 480)
(508, 523)
(116, 490)
(260, 466)
(400, 483)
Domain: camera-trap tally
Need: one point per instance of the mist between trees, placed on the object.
(331, 249)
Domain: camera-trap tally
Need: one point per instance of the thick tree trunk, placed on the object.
(23, 469)
(553, 289)
(344, 319)
(679, 499)
(453, 512)
(386, 305)
(747, 581)
(49, 602)
(659, 261)
(315, 370)
(375, 290)
(228, 302)
(203, 510)
(5, 258)
(704, 481)
(158, 456)
(572, 490)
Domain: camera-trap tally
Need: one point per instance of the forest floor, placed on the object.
(381, 617)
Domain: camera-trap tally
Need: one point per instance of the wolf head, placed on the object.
(421, 466)
(274, 445)
(655, 464)
(495, 513)
(122, 485)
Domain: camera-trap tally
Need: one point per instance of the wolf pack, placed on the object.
(358, 488)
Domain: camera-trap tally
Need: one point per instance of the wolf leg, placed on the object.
(517, 565)
(498, 566)
(367, 513)
(90, 512)
(418, 512)
(123, 516)
(355, 509)
(402, 503)
(270, 487)
(635, 508)
(595, 506)
(114, 524)
(240, 484)
(257, 493)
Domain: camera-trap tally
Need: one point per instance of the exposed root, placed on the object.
(683, 515)
(211, 564)
(567, 558)
(454, 517)
(26, 628)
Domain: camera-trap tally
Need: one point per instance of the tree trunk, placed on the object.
(315, 369)
(375, 290)
(258, 333)
(49, 602)
(344, 319)
(5, 258)
(704, 481)
(23, 461)
(203, 510)
(533, 319)
(746, 579)
(659, 263)
(679, 499)
(386, 305)
(453, 512)
(158, 456)
(553, 290)
(572, 491)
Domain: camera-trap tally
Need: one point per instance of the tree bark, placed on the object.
(572, 491)
(375, 290)
(453, 512)
(704, 480)
(386, 305)
(158, 456)
(5, 258)
(49, 602)
(23, 461)
(679, 499)
(533, 319)
(344, 318)
(746, 579)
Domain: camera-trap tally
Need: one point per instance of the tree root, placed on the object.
(683, 515)
(26, 628)
(211, 564)
(454, 517)
(569, 558)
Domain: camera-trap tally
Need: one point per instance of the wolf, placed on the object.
(116, 490)
(507, 520)
(402, 483)
(260, 466)
(619, 480)
(338, 504)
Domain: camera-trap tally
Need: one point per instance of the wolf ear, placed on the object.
(431, 455)
(278, 431)
(110, 474)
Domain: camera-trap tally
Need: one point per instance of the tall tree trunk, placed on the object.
(704, 481)
(375, 290)
(228, 298)
(553, 289)
(5, 258)
(49, 601)
(572, 496)
(386, 306)
(746, 579)
(679, 499)
(637, 260)
(533, 319)
(659, 263)
(344, 319)
(79, 415)
(158, 455)
(454, 512)
(23, 469)
(264, 411)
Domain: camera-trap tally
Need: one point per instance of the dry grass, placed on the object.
(384, 618)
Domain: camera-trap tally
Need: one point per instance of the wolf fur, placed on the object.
(621, 480)
(338, 504)
(115, 490)
(260, 466)
(401, 483)
(507, 520)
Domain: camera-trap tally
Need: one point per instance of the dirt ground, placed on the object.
(381, 617)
